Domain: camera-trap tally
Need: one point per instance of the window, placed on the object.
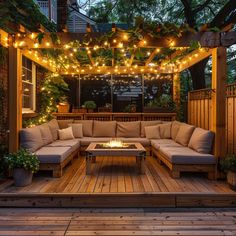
(28, 85)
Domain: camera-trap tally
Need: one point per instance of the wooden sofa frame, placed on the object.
(176, 169)
(57, 169)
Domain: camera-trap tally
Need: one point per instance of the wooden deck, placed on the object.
(72, 222)
(115, 181)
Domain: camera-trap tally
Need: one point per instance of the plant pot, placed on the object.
(22, 177)
(63, 108)
(82, 110)
(90, 110)
(231, 179)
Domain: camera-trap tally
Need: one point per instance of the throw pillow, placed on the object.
(165, 130)
(152, 132)
(77, 130)
(201, 140)
(65, 134)
(184, 134)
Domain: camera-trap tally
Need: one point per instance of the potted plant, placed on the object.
(63, 105)
(228, 165)
(24, 164)
(90, 105)
(83, 109)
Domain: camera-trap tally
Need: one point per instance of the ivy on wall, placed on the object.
(53, 91)
(26, 13)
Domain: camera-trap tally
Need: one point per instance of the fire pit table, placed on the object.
(111, 149)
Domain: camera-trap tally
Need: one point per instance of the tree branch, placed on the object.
(201, 7)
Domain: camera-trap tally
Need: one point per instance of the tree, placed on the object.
(217, 14)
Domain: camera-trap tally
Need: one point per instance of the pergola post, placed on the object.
(219, 74)
(15, 97)
(176, 90)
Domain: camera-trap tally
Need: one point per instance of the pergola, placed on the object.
(212, 44)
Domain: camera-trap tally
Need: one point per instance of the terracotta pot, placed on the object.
(82, 110)
(231, 179)
(22, 177)
(90, 110)
(63, 108)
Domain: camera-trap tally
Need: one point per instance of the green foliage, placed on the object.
(229, 163)
(165, 101)
(23, 159)
(90, 105)
(53, 91)
(26, 13)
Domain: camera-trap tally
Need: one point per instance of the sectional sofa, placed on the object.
(178, 145)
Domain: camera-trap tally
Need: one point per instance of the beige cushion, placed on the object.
(148, 123)
(152, 132)
(74, 144)
(104, 128)
(65, 134)
(175, 128)
(53, 155)
(201, 140)
(77, 130)
(54, 127)
(85, 141)
(184, 134)
(63, 124)
(184, 155)
(87, 127)
(165, 130)
(128, 129)
(31, 138)
(158, 143)
(144, 141)
(46, 134)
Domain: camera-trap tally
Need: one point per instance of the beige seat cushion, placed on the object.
(128, 129)
(63, 124)
(87, 127)
(165, 130)
(72, 143)
(52, 155)
(85, 141)
(201, 140)
(77, 130)
(186, 156)
(54, 127)
(148, 123)
(104, 128)
(152, 132)
(158, 143)
(46, 134)
(144, 141)
(184, 134)
(65, 134)
(31, 138)
(175, 128)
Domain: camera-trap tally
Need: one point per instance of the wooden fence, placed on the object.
(200, 111)
(116, 116)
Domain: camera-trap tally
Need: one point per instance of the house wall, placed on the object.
(4, 100)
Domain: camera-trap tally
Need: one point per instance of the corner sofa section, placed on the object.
(179, 146)
(52, 153)
(188, 149)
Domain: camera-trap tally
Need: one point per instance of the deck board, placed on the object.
(118, 175)
(136, 221)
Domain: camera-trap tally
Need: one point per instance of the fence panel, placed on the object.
(199, 108)
(231, 118)
(200, 111)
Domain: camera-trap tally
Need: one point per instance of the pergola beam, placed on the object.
(151, 57)
(38, 60)
(114, 70)
(206, 39)
(193, 58)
